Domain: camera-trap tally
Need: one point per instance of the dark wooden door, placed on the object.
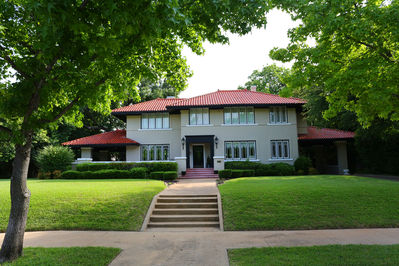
(198, 156)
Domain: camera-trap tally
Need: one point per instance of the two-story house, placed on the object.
(208, 130)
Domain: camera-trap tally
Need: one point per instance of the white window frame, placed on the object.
(155, 147)
(240, 144)
(160, 121)
(228, 113)
(201, 116)
(278, 146)
(277, 114)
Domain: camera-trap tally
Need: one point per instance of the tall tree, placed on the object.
(72, 53)
(350, 49)
(269, 79)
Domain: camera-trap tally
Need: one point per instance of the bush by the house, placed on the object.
(281, 169)
(303, 164)
(242, 165)
(248, 172)
(138, 172)
(236, 173)
(54, 159)
(170, 175)
(151, 166)
(226, 173)
(167, 175)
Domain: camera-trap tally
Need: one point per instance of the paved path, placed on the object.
(192, 186)
(201, 248)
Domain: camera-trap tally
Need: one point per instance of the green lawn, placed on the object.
(84, 204)
(309, 202)
(317, 255)
(86, 256)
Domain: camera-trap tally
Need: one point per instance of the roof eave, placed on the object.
(220, 106)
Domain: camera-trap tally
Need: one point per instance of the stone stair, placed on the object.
(192, 173)
(185, 211)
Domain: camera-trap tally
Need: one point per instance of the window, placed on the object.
(154, 120)
(199, 116)
(239, 115)
(278, 115)
(280, 149)
(239, 150)
(155, 152)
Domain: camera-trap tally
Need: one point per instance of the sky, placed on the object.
(225, 67)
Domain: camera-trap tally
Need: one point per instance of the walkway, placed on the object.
(201, 248)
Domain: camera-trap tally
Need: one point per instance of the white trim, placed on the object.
(279, 124)
(206, 125)
(180, 158)
(232, 125)
(170, 161)
(242, 160)
(155, 129)
(218, 157)
(289, 159)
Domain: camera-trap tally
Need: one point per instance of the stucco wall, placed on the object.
(262, 132)
(302, 124)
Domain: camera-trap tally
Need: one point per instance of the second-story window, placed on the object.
(278, 115)
(199, 116)
(154, 120)
(239, 115)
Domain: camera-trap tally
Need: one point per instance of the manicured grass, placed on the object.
(317, 255)
(309, 202)
(84, 204)
(86, 256)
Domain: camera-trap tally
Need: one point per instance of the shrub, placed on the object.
(71, 174)
(264, 170)
(313, 171)
(236, 173)
(169, 175)
(248, 172)
(156, 175)
(282, 169)
(151, 166)
(226, 173)
(242, 165)
(54, 158)
(138, 172)
(303, 163)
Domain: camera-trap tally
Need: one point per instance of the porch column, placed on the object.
(342, 157)
(181, 164)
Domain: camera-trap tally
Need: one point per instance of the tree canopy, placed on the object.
(269, 79)
(350, 50)
(74, 53)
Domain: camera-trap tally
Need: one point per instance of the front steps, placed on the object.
(192, 173)
(185, 211)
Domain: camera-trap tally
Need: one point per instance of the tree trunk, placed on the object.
(20, 196)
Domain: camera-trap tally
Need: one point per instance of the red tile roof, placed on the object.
(156, 105)
(217, 98)
(315, 133)
(237, 97)
(108, 138)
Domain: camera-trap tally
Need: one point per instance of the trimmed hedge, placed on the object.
(168, 175)
(139, 172)
(259, 169)
(150, 166)
(226, 173)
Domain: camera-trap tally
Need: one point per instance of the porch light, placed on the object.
(183, 140)
(216, 142)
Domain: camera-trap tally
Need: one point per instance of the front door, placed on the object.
(198, 156)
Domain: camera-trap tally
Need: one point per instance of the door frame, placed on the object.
(198, 139)
(203, 153)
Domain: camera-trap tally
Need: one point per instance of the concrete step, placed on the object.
(184, 211)
(183, 224)
(187, 196)
(186, 205)
(186, 200)
(184, 218)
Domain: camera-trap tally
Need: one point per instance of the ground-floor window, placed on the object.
(280, 149)
(239, 150)
(154, 152)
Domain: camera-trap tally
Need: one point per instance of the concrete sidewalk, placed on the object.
(201, 248)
